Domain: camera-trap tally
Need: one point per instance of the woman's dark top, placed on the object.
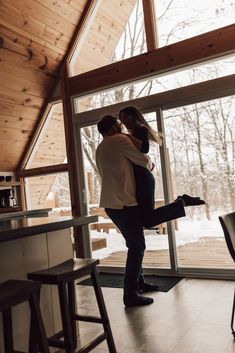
(145, 182)
(141, 133)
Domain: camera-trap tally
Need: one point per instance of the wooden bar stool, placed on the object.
(14, 292)
(63, 276)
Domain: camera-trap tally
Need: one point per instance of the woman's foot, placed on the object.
(190, 200)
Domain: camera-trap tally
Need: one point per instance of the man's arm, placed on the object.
(133, 154)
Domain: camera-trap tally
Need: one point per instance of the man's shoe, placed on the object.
(191, 201)
(137, 300)
(148, 287)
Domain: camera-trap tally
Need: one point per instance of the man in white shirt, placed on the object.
(115, 156)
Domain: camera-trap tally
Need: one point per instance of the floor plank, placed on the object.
(193, 317)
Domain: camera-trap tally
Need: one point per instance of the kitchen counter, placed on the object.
(20, 227)
(31, 243)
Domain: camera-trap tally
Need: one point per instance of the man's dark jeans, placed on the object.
(130, 223)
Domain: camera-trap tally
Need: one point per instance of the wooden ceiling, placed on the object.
(34, 38)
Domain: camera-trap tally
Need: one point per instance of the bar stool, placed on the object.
(63, 276)
(14, 292)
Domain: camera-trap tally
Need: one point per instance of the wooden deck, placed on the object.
(208, 252)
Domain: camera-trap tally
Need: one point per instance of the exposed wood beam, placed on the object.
(75, 195)
(51, 169)
(150, 24)
(201, 48)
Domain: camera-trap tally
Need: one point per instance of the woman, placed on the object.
(141, 134)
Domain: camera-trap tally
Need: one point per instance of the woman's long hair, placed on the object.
(136, 115)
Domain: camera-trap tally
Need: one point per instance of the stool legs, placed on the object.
(66, 318)
(38, 323)
(64, 276)
(232, 318)
(72, 310)
(103, 312)
(7, 331)
(16, 292)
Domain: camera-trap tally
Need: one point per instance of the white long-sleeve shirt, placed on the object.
(115, 156)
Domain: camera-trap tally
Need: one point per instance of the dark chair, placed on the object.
(63, 276)
(14, 292)
(228, 224)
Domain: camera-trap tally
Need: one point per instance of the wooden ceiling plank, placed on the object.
(9, 63)
(63, 9)
(94, 57)
(52, 146)
(150, 24)
(18, 111)
(49, 37)
(20, 98)
(30, 46)
(8, 165)
(12, 17)
(43, 15)
(77, 5)
(14, 134)
(15, 145)
(6, 107)
(98, 47)
(20, 84)
(58, 39)
(191, 51)
(39, 64)
(110, 9)
(26, 112)
(19, 123)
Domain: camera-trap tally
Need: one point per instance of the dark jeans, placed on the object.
(129, 221)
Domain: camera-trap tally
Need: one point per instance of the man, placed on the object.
(115, 156)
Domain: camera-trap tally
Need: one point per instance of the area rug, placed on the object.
(110, 280)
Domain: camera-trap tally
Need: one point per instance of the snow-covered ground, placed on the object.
(188, 232)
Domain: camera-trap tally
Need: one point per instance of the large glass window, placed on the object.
(49, 191)
(200, 139)
(116, 32)
(50, 148)
(181, 19)
(201, 73)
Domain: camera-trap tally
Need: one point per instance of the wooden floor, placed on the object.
(209, 252)
(193, 317)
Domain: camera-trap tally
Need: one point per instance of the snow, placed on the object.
(189, 231)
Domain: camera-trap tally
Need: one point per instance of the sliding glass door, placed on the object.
(200, 140)
(197, 157)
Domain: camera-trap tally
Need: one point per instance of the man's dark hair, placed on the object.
(105, 123)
